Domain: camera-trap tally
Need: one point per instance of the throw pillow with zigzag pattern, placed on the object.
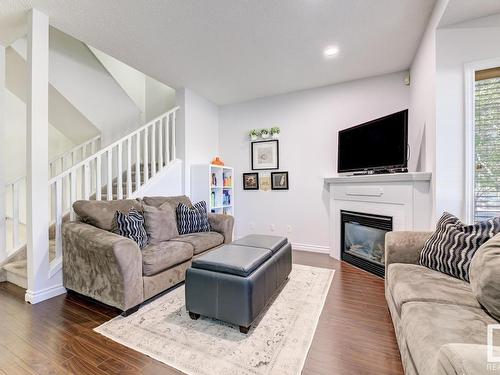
(451, 248)
(192, 219)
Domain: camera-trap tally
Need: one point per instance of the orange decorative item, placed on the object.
(217, 161)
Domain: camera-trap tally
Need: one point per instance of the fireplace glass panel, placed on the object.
(365, 242)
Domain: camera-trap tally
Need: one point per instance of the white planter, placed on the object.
(275, 136)
(253, 137)
(264, 136)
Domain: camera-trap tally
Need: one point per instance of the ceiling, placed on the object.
(459, 11)
(235, 50)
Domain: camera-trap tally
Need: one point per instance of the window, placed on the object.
(486, 181)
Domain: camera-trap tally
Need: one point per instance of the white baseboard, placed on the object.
(312, 248)
(44, 294)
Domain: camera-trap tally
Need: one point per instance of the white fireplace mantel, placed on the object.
(406, 197)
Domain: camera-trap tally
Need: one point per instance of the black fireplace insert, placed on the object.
(363, 240)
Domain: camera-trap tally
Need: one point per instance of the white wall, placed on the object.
(455, 47)
(309, 122)
(167, 182)
(14, 150)
(422, 117)
(132, 81)
(77, 74)
(159, 98)
(197, 131)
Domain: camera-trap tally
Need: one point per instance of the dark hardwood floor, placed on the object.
(354, 335)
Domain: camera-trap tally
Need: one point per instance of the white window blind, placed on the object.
(487, 145)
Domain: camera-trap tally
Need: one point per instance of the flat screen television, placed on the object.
(380, 144)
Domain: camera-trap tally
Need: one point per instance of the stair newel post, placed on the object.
(129, 167)
(3, 245)
(15, 214)
(119, 178)
(173, 136)
(42, 283)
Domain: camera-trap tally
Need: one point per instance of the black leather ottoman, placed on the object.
(235, 282)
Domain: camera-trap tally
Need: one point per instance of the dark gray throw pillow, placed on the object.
(131, 225)
(452, 246)
(192, 219)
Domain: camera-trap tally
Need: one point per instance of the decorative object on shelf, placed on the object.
(226, 198)
(279, 180)
(265, 181)
(228, 180)
(254, 134)
(217, 161)
(214, 180)
(264, 133)
(250, 181)
(212, 199)
(275, 132)
(265, 155)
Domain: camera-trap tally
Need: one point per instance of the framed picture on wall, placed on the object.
(265, 155)
(250, 181)
(279, 180)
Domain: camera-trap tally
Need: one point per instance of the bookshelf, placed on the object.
(213, 184)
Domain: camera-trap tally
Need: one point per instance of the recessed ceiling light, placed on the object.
(331, 51)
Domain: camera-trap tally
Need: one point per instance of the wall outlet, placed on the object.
(289, 229)
(273, 227)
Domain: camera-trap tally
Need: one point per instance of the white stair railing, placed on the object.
(62, 162)
(15, 191)
(151, 147)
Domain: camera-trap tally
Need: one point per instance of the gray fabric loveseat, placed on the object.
(440, 325)
(113, 269)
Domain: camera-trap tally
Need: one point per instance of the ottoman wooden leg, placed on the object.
(244, 329)
(194, 316)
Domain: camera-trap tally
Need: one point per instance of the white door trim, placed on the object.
(469, 97)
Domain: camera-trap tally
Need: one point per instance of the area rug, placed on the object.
(277, 343)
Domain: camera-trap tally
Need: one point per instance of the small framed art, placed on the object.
(279, 180)
(250, 181)
(265, 155)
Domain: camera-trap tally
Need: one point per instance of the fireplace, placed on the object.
(363, 240)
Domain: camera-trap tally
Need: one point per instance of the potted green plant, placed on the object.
(254, 134)
(275, 132)
(264, 133)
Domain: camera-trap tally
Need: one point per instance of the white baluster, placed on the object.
(129, 167)
(109, 192)
(153, 149)
(59, 215)
(98, 183)
(72, 192)
(138, 161)
(15, 214)
(173, 137)
(160, 144)
(86, 181)
(167, 139)
(145, 160)
(119, 180)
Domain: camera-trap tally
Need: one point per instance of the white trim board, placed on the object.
(469, 98)
(312, 248)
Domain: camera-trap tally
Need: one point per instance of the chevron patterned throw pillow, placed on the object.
(451, 248)
(192, 219)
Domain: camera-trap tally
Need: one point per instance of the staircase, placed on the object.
(120, 170)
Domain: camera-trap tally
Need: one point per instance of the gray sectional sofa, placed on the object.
(112, 269)
(441, 327)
